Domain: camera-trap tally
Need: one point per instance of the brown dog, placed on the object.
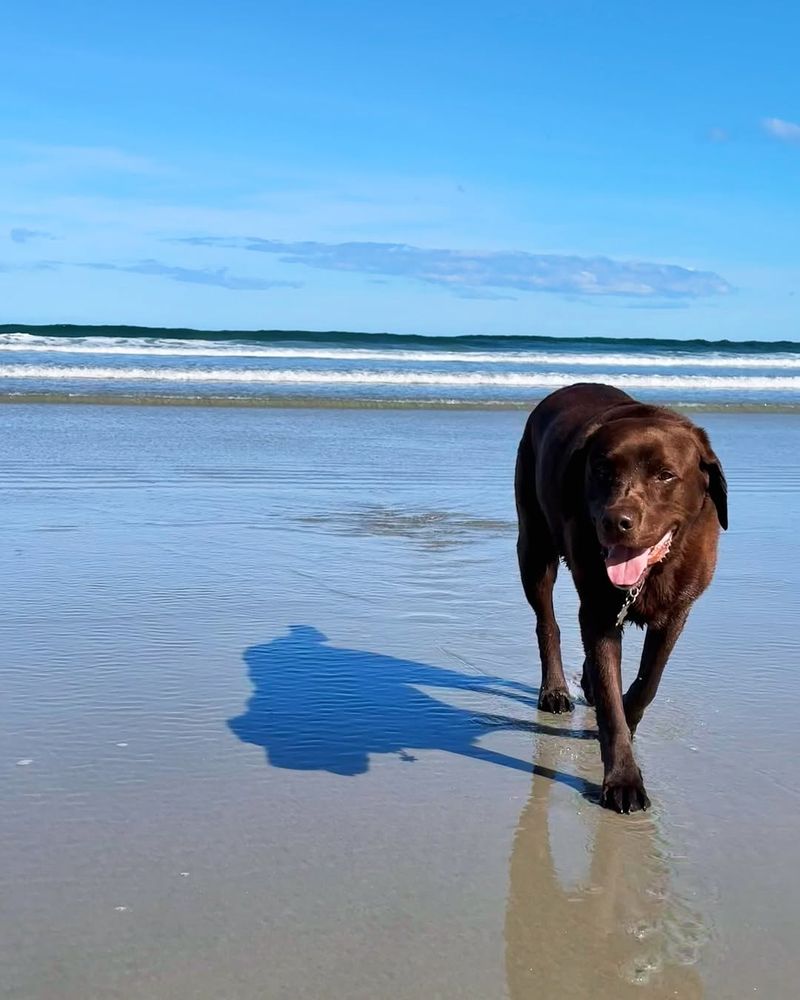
(632, 497)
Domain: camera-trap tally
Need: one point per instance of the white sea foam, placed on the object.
(294, 376)
(146, 347)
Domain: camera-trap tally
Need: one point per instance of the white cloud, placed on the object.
(463, 272)
(780, 129)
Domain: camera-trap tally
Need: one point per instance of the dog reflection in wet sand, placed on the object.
(613, 933)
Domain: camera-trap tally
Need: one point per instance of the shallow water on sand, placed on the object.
(269, 726)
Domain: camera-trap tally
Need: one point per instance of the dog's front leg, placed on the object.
(658, 645)
(623, 788)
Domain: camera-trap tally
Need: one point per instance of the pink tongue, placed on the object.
(624, 566)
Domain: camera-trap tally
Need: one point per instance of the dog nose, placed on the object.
(618, 523)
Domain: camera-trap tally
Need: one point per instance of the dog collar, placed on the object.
(630, 599)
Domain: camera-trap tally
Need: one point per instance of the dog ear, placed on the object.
(717, 484)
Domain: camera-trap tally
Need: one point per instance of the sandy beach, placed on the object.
(269, 730)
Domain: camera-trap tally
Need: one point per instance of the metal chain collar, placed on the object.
(630, 599)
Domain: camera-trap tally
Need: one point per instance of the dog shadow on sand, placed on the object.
(321, 707)
(615, 929)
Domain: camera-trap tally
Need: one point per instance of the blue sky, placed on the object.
(569, 168)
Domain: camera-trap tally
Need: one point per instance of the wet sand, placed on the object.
(269, 730)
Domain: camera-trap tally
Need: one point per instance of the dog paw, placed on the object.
(623, 790)
(556, 701)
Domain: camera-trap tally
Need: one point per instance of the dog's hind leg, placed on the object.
(538, 566)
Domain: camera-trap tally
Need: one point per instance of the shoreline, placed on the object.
(350, 403)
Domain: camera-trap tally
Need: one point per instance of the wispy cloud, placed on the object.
(96, 159)
(488, 295)
(778, 128)
(22, 235)
(36, 265)
(464, 271)
(220, 278)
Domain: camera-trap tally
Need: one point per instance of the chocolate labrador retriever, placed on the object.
(632, 497)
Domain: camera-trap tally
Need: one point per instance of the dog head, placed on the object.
(645, 480)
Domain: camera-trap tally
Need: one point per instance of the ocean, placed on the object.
(136, 364)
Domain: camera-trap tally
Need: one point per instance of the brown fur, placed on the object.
(591, 455)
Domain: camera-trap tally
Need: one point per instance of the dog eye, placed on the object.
(665, 476)
(604, 473)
